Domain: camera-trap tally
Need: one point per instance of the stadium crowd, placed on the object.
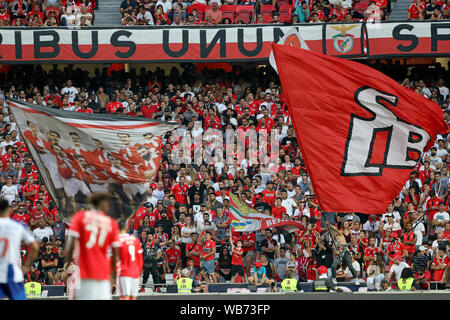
(214, 12)
(47, 13)
(186, 215)
(429, 10)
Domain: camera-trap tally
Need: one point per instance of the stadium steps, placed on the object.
(400, 10)
(108, 13)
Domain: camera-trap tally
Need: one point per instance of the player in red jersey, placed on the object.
(93, 233)
(129, 267)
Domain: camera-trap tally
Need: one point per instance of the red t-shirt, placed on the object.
(96, 233)
(437, 275)
(192, 249)
(278, 212)
(30, 188)
(248, 238)
(370, 252)
(311, 271)
(269, 197)
(138, 216)
(148, 111)
(433, 203)
(207, 248)
(236, 259)
(24, 218)
(180, 193)
(397, 248)
(173, 254)
(113, 106)
(45, 212)
(87, 110)
(414, 11)
(446, 236)
(5, 17)
(409, 237)
(254, 106)
(130, 254)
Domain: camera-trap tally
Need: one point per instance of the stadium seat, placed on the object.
(285, 13)
(360, 7)
(281, 3)
(198, 6)
(244, 13)
(201, 9)
(266, 11)
(366, 2)
(267, 18)
(228, 11)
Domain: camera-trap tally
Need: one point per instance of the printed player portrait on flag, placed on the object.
(79, 154)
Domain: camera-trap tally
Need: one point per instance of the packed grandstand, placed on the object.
(214, 12)
(208, 78)
(185, 201)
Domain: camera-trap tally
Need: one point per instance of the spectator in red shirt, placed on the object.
(416, 10)
(432, 205)
(180, 191)
(114, 105)
(278, 210)
(269, 195)
(422, 279)
(173, 256)
(440, 266)
(21, 215)
(4, 15)
(30, 189)
(207, 258)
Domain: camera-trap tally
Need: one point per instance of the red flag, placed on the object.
(360, 132)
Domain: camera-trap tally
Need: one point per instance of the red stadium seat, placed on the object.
(244, 13)
(366, 2)
(281, 3)
(228, 11)
(268, 18)
(285, 13)
(198, 6)
(266, 11)
(201, 9)
(360, 7)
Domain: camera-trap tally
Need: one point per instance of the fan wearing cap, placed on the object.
(395, 248)
(324, 283)
(260, 205)
(392, 225)
(258, 276)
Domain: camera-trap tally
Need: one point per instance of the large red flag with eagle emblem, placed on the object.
(360, 132)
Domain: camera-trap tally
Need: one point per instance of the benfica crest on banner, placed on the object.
(78, 154)
(360, 132)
